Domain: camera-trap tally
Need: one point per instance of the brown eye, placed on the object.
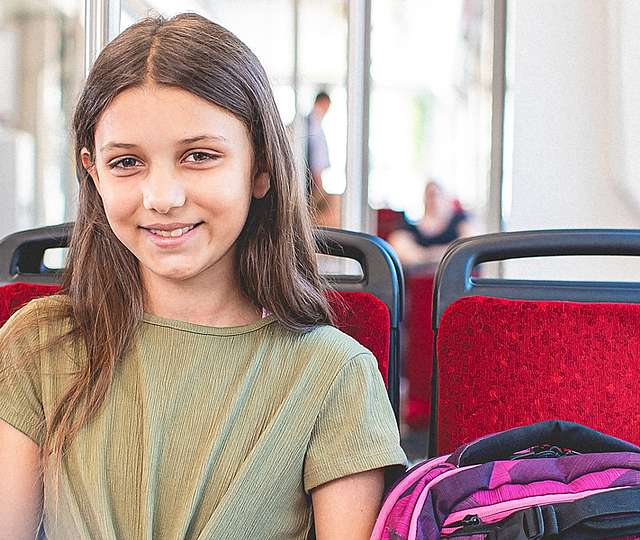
(124, 163)
(200, 157)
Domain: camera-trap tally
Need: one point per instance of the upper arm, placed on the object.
(21, 485)
(348, 507)
(355, 429)
(354, 439)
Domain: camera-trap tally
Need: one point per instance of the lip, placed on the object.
(170, 241)
(169, 226)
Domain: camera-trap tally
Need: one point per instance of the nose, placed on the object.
(162, 192)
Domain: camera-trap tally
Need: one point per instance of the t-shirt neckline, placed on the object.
(208, 330)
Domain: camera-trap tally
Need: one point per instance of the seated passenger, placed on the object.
(186, 383)
(422, 244)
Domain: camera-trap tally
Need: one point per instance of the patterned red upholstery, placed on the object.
(16, 295)
(366, 319)
(504, 363)
(359, 314)
(418, 359)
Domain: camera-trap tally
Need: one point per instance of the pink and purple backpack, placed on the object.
(548, 480)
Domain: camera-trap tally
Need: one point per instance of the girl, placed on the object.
(186, 383)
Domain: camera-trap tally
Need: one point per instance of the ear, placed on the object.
(261, 185)
(90, 166)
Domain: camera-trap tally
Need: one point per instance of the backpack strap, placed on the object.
(604, 515)
(569, 435)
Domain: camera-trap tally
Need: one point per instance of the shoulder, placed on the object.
(324, 348)
(40, 319)
(332, 342)
(43, 307)
(42, 331)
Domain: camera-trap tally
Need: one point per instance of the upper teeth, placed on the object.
(174, 233)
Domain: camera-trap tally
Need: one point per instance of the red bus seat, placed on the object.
(418, 357)
(512, 352)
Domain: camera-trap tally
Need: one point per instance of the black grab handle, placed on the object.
(550, 432)
(455, 276)
(378, 261)
(22, 253)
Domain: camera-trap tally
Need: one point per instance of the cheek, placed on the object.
(118, 204)
(227, 214)
(226, 201)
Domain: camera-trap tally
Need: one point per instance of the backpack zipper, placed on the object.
(544, 451)
(467, 521)
(474, 523)
(470, 524)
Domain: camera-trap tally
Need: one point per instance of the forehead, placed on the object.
(156, 112)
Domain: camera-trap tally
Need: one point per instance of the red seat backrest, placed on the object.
(388, 221)
(16, 295)
(366, 319)
(418, 361)
(361, 315)
(504, 363)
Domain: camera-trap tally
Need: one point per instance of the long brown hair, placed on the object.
(275, 251)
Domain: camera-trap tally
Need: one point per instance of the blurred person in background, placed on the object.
(421, 245)
(325, 207)
(317, 150)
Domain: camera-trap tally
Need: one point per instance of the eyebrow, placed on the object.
(198, 138)
(111, 145)
(188, 140)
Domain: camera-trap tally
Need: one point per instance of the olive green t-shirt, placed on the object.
(206, 433)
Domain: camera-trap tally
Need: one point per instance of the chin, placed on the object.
(179, 273)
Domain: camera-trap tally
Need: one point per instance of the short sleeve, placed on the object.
(20, 387)
(356, 430)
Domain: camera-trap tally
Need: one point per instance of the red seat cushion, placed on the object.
(361, 315)
(504, 363)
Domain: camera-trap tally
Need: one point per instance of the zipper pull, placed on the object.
(470, 520)
(544, 451)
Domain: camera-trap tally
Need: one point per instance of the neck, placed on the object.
(198, 301)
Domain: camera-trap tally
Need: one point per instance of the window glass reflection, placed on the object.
(41, 61)
(430, 101)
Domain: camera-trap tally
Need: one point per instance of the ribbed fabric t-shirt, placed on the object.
(206, 433)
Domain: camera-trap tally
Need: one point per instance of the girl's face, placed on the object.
(176, 177)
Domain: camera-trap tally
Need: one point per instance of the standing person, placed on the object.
(186, 382)
(317, 150)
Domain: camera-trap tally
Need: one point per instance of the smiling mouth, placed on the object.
(172, 233)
